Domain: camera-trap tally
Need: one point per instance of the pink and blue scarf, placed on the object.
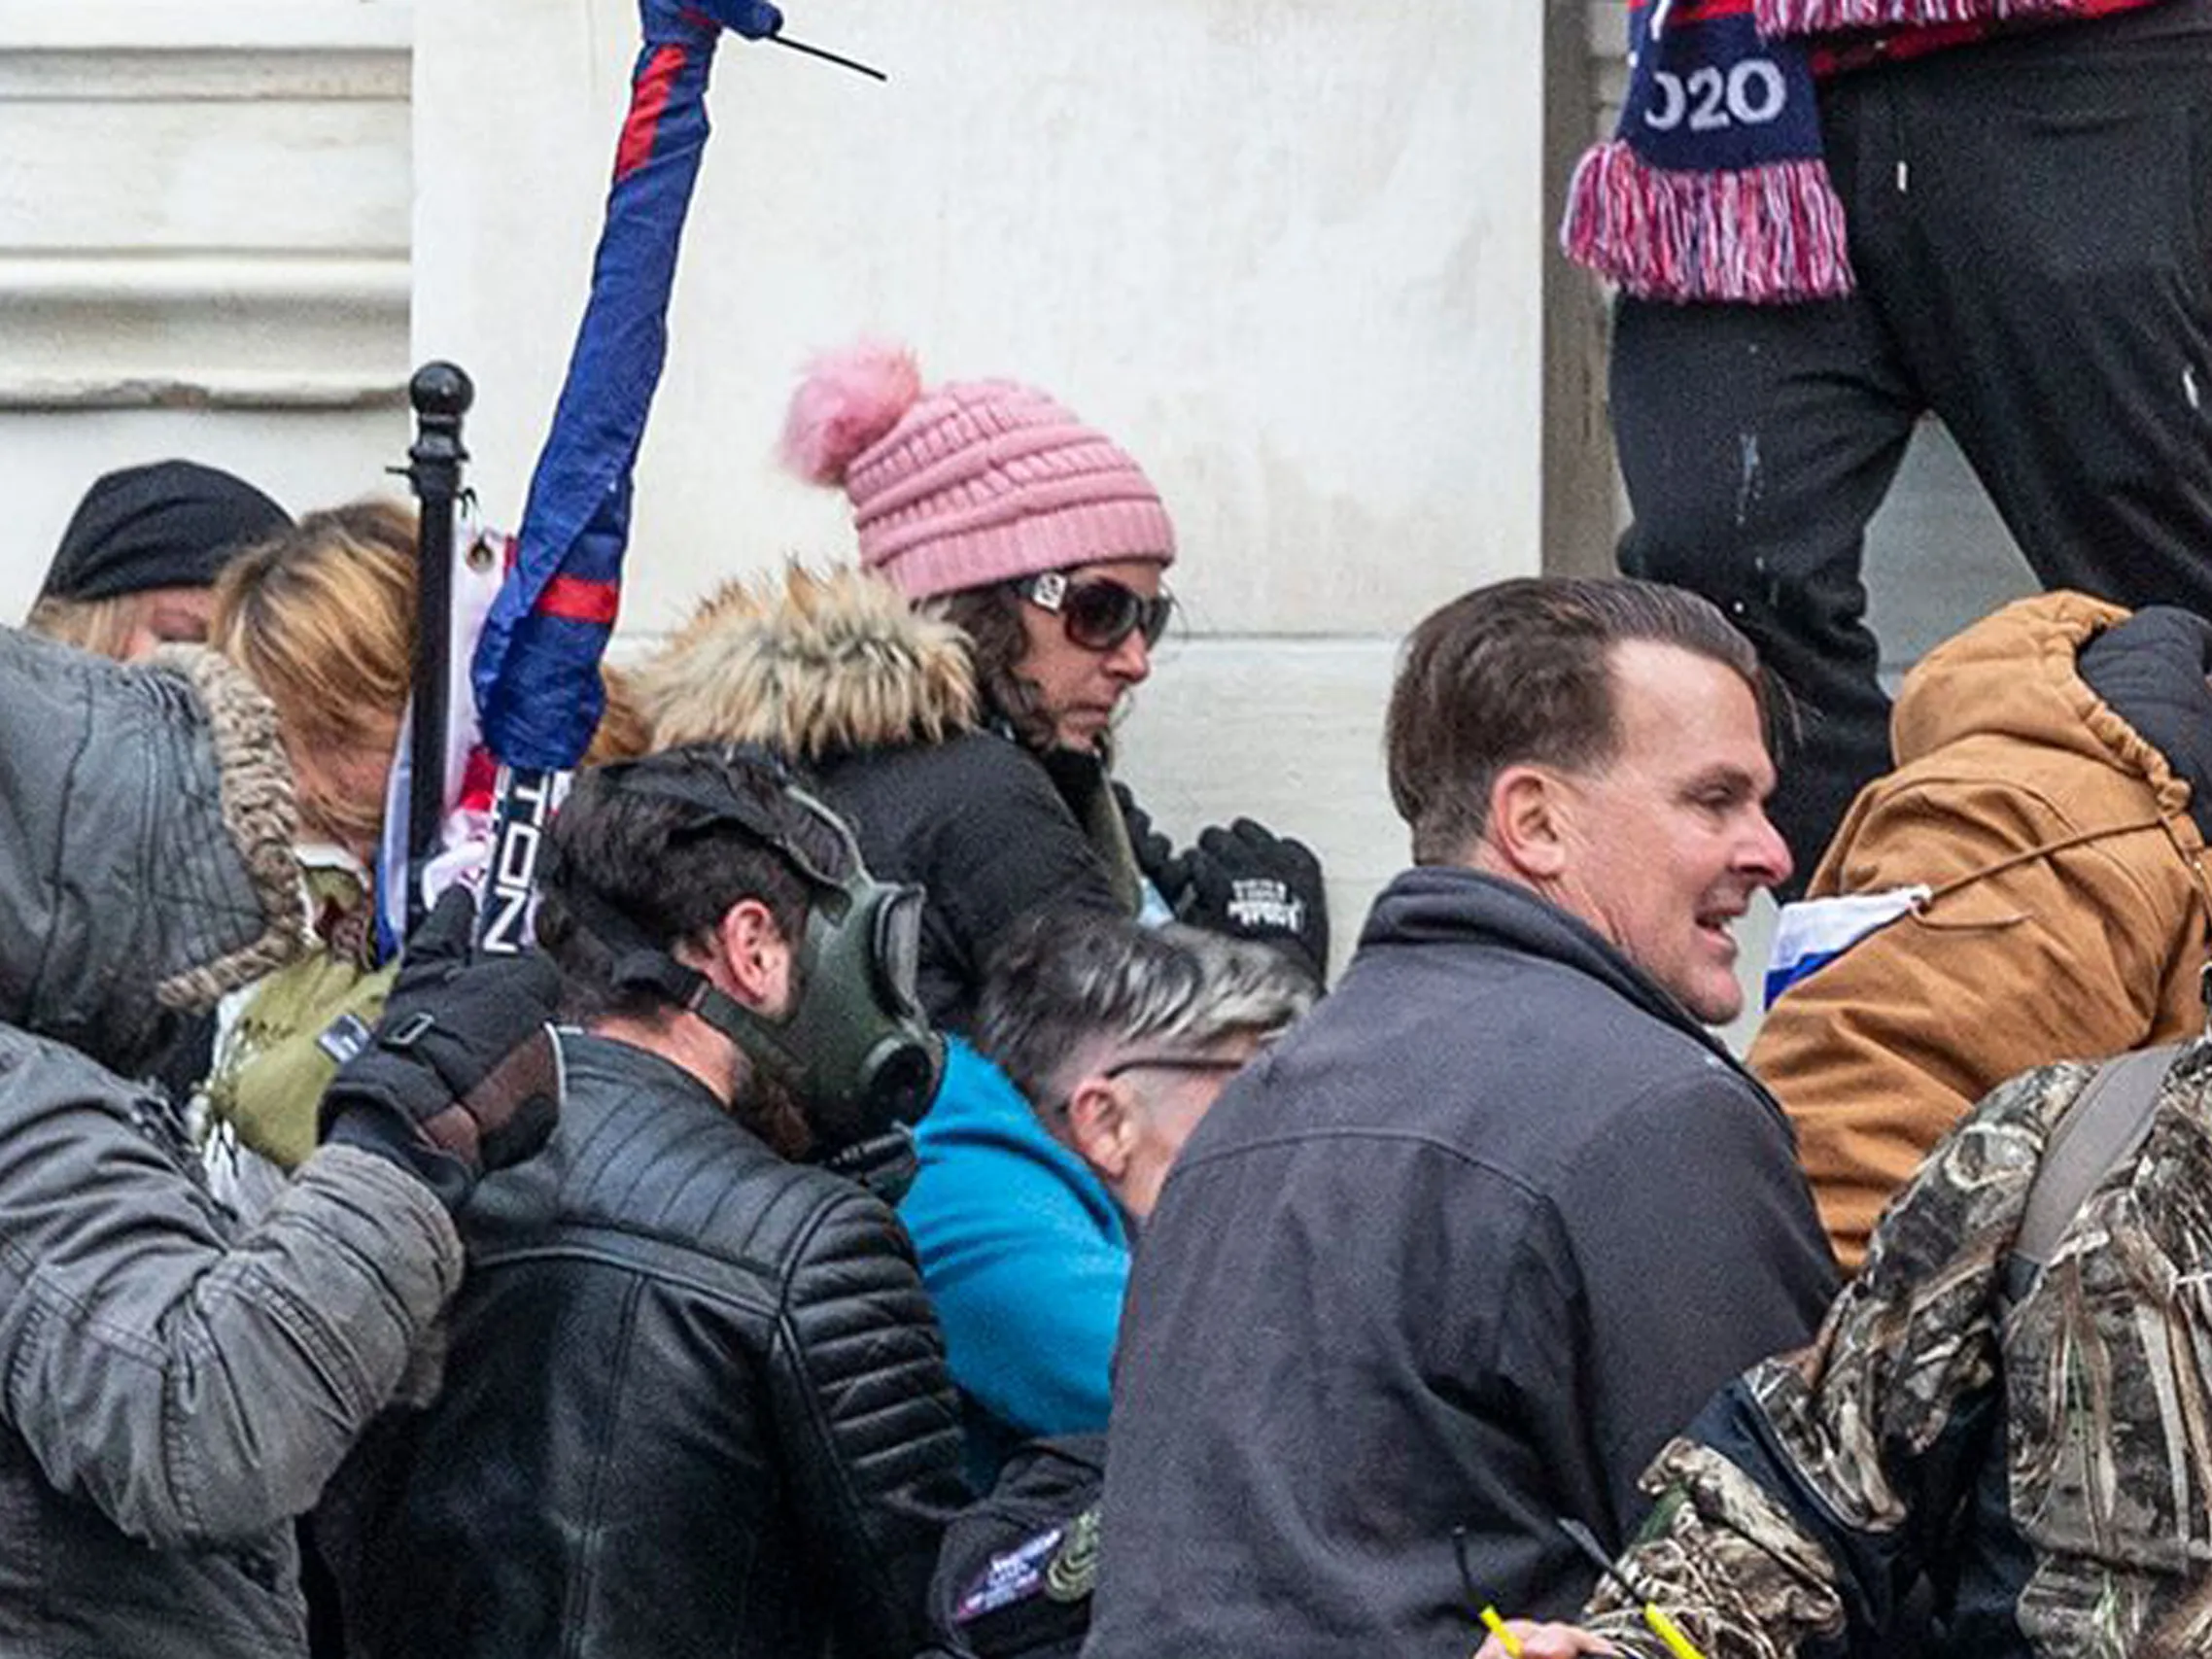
(1713, 187)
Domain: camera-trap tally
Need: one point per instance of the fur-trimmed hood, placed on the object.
(809, 664)
(147, 819)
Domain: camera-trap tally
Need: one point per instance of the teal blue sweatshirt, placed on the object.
(1025, 1255)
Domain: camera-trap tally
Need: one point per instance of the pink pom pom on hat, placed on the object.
(972, 483)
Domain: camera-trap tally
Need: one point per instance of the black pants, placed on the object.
(2030, 223)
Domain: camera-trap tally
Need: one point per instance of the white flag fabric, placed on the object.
(1813, 932)
(479, 560)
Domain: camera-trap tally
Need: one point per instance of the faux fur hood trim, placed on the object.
(261, 815)
(812, 665)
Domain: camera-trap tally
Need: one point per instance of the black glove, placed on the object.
(1154, 852)
(462, 1073)
(1249, 882)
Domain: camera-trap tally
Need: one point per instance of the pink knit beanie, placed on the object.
(972, 483)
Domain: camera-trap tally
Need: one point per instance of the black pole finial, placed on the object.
(442, 392)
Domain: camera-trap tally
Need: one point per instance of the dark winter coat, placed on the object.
(839, 675)
(696, 1403)
(1463, 1249)
(979, 821)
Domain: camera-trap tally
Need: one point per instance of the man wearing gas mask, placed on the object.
(696, 1397)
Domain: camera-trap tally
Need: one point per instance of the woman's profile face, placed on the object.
(1080, 690)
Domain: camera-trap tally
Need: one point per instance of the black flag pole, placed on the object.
(440, 393)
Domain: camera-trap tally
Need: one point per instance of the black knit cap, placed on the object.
(172, 524)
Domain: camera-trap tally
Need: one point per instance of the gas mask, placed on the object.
(854, 1050)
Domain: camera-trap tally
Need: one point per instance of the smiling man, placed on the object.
(1465, 1248)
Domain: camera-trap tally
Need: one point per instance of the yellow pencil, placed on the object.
(1663, 1627)
(1667, 1631)
(1506, 1640)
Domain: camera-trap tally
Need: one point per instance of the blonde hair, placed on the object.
(101, 626)
(322, 618)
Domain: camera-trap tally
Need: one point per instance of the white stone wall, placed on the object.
(205, 219)
(1287, 251)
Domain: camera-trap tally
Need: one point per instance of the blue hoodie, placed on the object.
(1025, 1255)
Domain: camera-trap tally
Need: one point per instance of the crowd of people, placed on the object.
(907, 1207)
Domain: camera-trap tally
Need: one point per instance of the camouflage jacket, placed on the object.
(2047, 1465)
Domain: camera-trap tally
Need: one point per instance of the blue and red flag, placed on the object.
(537, 667)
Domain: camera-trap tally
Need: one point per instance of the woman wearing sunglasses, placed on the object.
(955, 697)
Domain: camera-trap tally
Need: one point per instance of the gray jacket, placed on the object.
(1462, 1251)
(172, 1392)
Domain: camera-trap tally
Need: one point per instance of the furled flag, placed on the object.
(539, 694)
(536, 668)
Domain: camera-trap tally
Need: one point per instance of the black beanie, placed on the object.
(172, 524)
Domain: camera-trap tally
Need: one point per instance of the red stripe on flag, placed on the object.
(578, 599)
(646, 103)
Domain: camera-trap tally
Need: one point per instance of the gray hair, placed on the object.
(1065, 981)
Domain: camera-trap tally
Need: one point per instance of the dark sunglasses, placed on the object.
(1099, 612)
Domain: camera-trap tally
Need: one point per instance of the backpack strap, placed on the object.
(2101, 1130)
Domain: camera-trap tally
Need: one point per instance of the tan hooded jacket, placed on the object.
(2068, 919)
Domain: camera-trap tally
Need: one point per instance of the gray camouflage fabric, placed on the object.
(1821, 1484)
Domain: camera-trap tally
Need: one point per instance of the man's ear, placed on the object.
(1529, 828)
(750, 961)
(1102, 1125)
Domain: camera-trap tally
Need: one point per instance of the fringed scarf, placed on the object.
(1713, 187)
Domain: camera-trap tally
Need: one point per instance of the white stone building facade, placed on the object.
(1295, 255)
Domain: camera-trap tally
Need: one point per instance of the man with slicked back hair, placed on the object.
(1457, 1254)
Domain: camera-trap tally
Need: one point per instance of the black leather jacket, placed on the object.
(695, 1405)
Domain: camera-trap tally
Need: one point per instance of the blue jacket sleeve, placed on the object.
(1691, 1238)
(1023, 1252)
